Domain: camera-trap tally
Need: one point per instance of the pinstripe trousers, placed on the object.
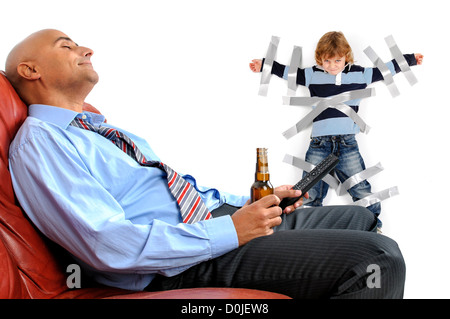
(319, 252)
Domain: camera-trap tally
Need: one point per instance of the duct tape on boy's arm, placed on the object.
(385, 72)
(296, 61)
(335, 101)
(358, 178)
(401, 61)
(266, 73)
(308, 167)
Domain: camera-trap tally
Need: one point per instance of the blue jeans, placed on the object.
(350, 163)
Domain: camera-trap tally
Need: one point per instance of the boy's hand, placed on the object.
(256, 65)
(419, 58)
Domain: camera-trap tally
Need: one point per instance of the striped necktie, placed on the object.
(191, 205)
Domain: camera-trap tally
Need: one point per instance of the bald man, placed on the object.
(121, 223)
(43, 74)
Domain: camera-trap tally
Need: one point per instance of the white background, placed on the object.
(169, 67)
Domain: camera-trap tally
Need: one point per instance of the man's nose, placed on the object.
(86, 51)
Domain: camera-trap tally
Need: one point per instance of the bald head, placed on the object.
(48, 67)
(23, 51)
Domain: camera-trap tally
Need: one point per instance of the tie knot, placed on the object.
(107, 132)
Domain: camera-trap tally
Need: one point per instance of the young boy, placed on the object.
(332, 131)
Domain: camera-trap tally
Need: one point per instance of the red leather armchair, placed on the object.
(33, 267)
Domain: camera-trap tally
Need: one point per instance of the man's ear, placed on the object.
(27, 71)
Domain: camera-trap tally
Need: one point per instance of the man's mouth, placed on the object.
(85, 62)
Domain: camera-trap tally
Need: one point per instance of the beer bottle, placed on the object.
(262, 186)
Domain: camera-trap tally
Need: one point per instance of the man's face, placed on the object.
(63, 63)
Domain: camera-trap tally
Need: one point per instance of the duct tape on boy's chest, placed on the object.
(266, 74)
(336, 101)
(308, 167)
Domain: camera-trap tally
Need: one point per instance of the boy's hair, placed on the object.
(333, 44)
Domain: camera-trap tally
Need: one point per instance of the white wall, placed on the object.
(189, 60)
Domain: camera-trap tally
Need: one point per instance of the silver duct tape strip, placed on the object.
(308, 119)
(358, 178)
(266, 74)
(387, 75)
(303, 123)
(377, 197)
(347, 110)
(296, 61)
(308, 167)
(297, 162)
(335, 101)
(402, 63)
(329, 101)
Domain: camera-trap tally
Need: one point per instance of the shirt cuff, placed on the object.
(222, 234)
(286, 72)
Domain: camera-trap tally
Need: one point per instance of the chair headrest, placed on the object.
(13, 112)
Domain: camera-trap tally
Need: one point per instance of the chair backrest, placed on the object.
(28, 266)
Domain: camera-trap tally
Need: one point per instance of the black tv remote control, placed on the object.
(310, 179)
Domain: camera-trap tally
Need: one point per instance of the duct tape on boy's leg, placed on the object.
(377, 197)
(387, 75)
(266, 74)
(401, 61)
(308, 167)
(358, 178)
(296, 60)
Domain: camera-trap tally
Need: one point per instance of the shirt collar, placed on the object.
(346, 69)
(61, 116)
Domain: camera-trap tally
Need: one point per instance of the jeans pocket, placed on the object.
(349, 141)
(316, 143)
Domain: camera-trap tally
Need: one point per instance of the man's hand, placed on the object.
(257, 219)
(287, 191)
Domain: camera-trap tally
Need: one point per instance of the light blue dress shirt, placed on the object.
(117, 218)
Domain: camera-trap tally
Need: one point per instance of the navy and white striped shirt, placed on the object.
(322, 84)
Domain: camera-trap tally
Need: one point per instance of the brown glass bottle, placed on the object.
(262, 186)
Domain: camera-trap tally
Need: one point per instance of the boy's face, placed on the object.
(333, 65)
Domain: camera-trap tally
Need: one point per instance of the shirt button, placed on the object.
(84, 117)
